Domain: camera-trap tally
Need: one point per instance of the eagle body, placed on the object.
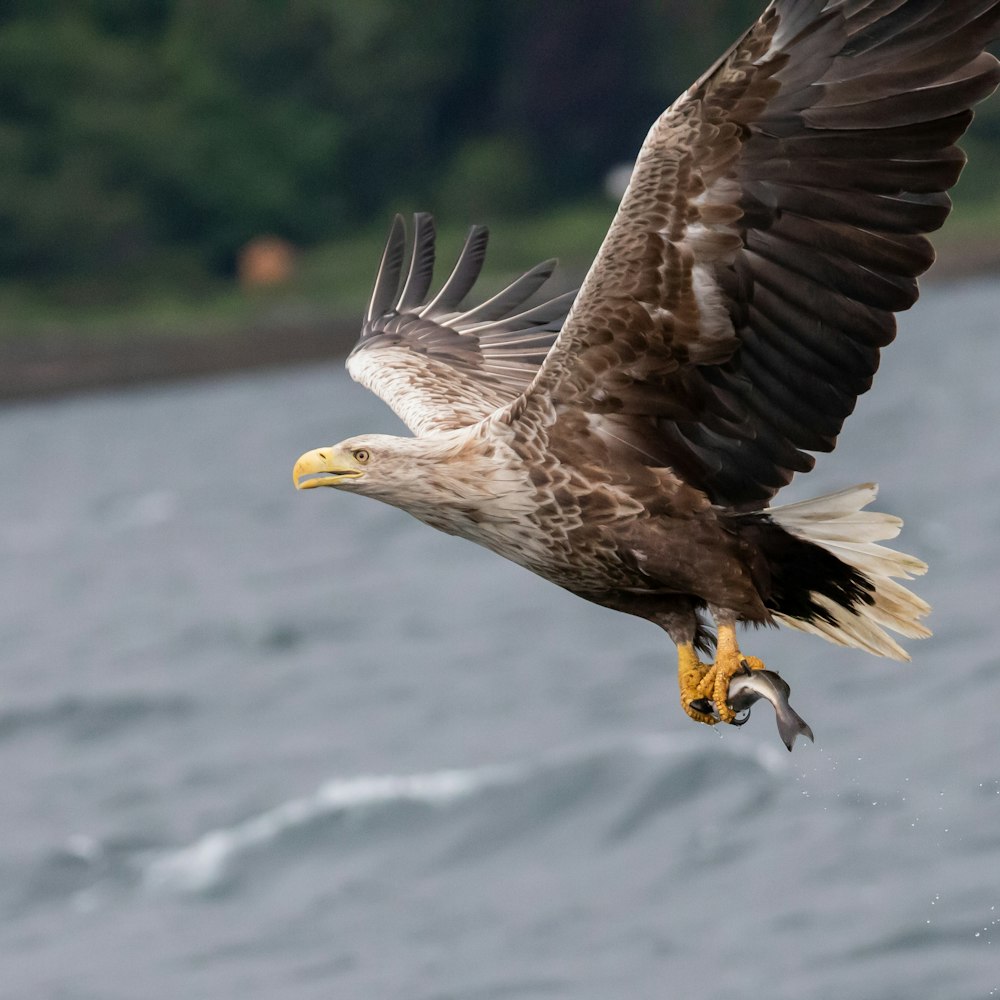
(626, 441)
(612, 531)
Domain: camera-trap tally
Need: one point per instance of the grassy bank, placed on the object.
(334, 279)
(49, 345)
(330, 280)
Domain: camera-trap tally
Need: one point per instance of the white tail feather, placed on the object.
(839, 524)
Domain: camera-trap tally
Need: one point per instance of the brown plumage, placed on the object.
(775, 222)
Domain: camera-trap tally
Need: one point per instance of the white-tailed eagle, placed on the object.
(625, 442)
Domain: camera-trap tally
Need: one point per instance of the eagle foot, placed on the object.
(704, 687)
(691, 673)
(729, 662)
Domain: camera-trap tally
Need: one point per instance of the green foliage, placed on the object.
(195, 127)
(143, 142)
(488, 176)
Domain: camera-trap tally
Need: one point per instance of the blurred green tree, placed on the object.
(144, 137)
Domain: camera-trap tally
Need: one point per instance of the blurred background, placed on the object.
(172, 167)
(260, 744)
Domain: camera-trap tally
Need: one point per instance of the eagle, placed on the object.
(625, 441)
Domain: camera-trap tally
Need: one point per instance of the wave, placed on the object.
(91, 717)
(203, 865)
(620, 787)
(556, 782)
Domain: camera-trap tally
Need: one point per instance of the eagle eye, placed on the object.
(361, 455)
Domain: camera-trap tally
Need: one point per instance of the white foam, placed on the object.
(204, 864)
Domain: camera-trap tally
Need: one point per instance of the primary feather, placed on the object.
(439, 367)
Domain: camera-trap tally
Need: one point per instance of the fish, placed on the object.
(747, 688)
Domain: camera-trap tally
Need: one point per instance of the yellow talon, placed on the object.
(702, 681)
(690, 676)
(729, 661)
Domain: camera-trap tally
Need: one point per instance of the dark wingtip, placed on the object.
(389, 270)
(421, 273)
(463, 277)
(505, 302)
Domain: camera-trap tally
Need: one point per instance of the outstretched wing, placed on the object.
(774, 224)
(439, 367)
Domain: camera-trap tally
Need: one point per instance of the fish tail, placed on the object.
(791, 725)
(830, 577)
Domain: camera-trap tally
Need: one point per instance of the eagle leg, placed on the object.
(729, 661)
(691, 673)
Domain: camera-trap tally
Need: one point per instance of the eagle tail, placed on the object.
(853, 598)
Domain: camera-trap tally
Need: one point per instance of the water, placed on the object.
(264, 744)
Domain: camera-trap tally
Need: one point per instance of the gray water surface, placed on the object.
(260, 744)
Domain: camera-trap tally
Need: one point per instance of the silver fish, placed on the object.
(748, 687)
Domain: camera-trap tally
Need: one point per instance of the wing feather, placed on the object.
(439, 368)
(775, 222)
(389, 270)
(513, 296)
(421, 274)
(463, 277)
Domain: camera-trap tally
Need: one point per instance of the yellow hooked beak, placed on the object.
(325, 467)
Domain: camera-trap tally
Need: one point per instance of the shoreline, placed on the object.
(62, 364)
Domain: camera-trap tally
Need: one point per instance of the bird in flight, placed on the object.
(626, 441)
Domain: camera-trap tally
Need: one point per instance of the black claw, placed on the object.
(741, 720)
(703, 705)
